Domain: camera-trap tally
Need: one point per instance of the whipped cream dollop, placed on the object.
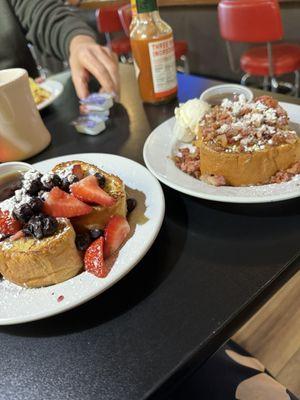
(188, 115)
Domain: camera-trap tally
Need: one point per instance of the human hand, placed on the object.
(88, 58)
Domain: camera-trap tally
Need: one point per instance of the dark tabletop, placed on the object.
(211, 266)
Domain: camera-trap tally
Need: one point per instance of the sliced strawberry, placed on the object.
(116, 231)
(77, 170)
(62, 204)
(8, 225)
(89, 191)
(94, 260)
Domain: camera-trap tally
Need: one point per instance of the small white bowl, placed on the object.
(14, 166)
(226, 90)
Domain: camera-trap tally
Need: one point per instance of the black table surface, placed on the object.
(211, 266)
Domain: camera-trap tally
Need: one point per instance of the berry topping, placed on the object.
(77, 171)
(94, 260)
(23, 212)
(82, 241)
(62, 204)
(88, 190)
(40, 226)
(131, 204)
(8, 225)
(96, 233)
(36, 205)
(115, 233)
(54, 181)
(35, 186)
(67, 181)
(101, 179)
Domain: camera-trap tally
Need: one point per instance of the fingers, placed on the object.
(88, 58)
(80, 79)
(96, 67)
(111, 62)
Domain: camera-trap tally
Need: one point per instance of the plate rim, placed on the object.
(212, 197)
(53, 97)
(160, 217)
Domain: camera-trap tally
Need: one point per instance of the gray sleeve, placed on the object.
(49, 25)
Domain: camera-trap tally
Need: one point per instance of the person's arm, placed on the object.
(49, 25)
(54, 30)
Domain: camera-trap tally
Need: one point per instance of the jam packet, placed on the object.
(97, 102)
(89, 125)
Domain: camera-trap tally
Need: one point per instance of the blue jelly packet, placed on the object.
(97, 102)
(103, 114)
(89, 125)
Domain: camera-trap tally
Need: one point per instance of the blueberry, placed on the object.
(36, 205)
(35, 187)
(131, 204)
(22, 212)
(50, 226)
(82, 241)
(54, 181)
(96, 233)
(40, 226)
(101, 179)
(66, 182)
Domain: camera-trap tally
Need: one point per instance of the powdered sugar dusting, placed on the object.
(21, 196)
(241, 126)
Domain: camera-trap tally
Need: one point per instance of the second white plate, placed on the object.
(158, 152)
(55, 88)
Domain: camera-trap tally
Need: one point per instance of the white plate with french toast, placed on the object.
(162, 148)
(73, 228)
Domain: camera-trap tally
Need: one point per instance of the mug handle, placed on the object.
(7, 113)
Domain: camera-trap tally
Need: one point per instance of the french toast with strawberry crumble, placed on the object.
(247, 143)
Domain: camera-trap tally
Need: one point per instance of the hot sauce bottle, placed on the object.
(153, 52)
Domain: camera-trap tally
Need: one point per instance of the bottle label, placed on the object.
(144, 6)
(163, 67)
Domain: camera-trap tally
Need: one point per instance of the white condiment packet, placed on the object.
(97, 102)
(89, 126)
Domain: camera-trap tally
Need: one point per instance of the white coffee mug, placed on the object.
(22, 131)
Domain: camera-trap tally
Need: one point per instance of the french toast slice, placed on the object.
(35, 263)
(247, 143)
(100, 215)
(243, 169)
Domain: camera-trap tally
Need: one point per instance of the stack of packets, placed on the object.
(94, 111)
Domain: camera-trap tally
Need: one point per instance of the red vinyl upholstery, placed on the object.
(250, 20)
(286, 59)
(258, 21)
(108, 21)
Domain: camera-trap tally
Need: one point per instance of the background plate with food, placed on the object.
(162, 146)
(46, 92)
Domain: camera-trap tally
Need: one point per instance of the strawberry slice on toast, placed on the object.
(62, 204)
(94, 259)
(8, 224)
(77, 171)
(89, 191)
(115, 233)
